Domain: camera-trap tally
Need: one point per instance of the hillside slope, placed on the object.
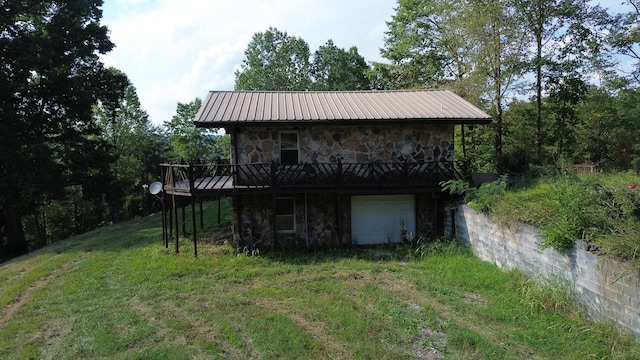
(117, 293)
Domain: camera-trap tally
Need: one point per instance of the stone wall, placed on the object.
(320, 227)
(350, 144)
(608, 290)
(315, 217)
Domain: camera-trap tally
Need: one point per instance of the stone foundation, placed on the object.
(321, 227)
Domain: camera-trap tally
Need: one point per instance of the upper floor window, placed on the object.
(288, 148)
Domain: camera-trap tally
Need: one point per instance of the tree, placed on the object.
(275, 61)
(472, 47)
(624, 35)
(413, 44)
(190, 144)
(336, 69)
(560, 29)
(135, 150)
(51, 76)
(499, 57)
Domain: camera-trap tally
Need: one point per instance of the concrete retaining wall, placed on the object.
(607, 289)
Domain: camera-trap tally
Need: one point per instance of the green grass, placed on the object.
(117, 293)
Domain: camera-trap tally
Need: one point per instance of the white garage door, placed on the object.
(377, 219)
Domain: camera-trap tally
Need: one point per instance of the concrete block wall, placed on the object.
(608, 289)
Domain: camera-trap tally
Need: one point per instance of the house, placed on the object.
(329, 168)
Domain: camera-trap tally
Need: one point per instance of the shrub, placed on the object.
(479, 198)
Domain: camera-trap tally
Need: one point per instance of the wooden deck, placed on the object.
(225, 179)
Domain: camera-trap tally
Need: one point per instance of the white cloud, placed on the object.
(174, 51)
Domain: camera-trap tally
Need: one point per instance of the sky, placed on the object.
(174, 51)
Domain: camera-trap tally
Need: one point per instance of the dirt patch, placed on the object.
(473, 298)
(430, 345)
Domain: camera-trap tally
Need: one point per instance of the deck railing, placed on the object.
(190, 179)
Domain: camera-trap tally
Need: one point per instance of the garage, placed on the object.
(378, 219)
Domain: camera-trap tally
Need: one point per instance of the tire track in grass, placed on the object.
(405, 289)
(335, 349)
(8, 309)
(211, 332)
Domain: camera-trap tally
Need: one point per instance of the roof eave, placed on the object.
(456, 121)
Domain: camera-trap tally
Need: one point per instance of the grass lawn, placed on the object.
(117, 293)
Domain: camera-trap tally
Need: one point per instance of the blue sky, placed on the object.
(174, 51)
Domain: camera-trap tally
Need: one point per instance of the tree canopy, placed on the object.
(276, 61)
(51, 77)
(190, 144)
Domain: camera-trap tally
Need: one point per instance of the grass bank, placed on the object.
(603, 209)
(117, 293)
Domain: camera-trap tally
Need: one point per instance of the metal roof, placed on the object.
(229, 108)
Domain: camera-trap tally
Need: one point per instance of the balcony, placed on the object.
(188, 180)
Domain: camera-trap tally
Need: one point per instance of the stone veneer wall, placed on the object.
(350, 144)
(320, 227)
(606, 288)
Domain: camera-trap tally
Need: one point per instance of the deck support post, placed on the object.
(339, 220)
(219, 217)
(184, 221)
(175, 214)
(273, 222)
(193, 220)
(192, 190)
(165, 235)
(201, 214)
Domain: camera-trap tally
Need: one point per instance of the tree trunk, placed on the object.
(16, 243)
(538, 34)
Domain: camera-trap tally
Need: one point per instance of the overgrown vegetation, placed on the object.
(117, 293)
(603, 209)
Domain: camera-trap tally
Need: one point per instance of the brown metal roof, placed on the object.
(228, 108)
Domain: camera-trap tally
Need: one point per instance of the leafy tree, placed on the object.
(543, 19)
(472, 47)
(624, 35)
(564, 98)
(135, 150)
(191, 144)
(609, 135)
(413, 44)
(499, 56)
(51, 76)
(336, 69)
(275, 61)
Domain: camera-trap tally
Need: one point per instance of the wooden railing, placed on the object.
(188, 179)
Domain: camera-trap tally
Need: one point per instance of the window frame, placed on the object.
(290, 216)
(289, 150)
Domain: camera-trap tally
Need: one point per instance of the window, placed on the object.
(289, 148)
(285, 214)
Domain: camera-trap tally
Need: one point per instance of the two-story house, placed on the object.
(330, 168)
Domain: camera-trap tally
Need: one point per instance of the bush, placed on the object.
(479, 198)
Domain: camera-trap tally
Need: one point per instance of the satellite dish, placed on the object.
(155, 187)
